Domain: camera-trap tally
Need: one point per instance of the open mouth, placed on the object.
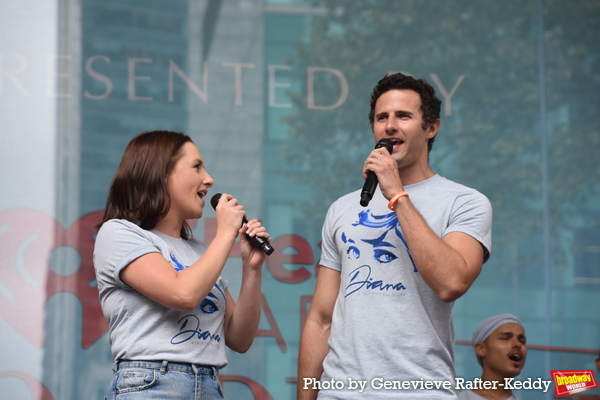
(397, 142)
(202, 193)
(516, 357)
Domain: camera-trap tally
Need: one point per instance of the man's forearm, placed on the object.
(313, 349)
(441, 264)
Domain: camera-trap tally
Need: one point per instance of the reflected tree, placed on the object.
(491, 135)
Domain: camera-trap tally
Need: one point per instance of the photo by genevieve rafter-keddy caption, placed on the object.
(398, 385)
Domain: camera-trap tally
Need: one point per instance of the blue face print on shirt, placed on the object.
(208, 306)
(178, 265)
(190, 324)
(376, 251)
(380, 252)
(383, 251)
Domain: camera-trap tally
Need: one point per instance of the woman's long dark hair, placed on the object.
(138, 192)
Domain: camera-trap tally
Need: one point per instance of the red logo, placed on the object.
(569, 382)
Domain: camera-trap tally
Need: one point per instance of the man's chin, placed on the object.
(514, 372)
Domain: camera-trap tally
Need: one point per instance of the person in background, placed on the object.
(169, 311)
(501, 349)
(389, 273)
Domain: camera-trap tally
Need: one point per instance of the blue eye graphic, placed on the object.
(208, 307)
(353, 251)
(383, 256)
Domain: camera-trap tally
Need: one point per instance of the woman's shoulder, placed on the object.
(119, 235)
(124, 230)
(113, 226)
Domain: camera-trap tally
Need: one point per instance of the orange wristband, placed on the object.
(394, 199)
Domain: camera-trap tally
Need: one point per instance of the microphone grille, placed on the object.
(387, 143)
(215, 200)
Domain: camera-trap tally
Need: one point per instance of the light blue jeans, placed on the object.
(162, 380)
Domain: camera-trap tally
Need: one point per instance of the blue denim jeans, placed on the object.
(162, 380)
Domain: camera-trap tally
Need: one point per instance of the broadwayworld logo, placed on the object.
(569, 382)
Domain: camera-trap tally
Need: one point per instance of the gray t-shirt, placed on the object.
(142, 329)
(388, 324)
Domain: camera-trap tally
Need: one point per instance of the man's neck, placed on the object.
(415, 175)
(499, 393)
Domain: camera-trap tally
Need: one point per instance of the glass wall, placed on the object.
(276, 96)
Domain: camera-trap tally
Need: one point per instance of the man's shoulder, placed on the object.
(444, 187)
(355, 194)
(348, 200)
(343, 208)
(445, 183)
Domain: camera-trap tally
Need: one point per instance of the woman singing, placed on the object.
(162, 293)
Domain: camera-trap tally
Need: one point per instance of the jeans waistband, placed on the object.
(165, 366)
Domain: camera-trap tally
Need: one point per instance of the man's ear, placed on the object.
(480, 349)
(433, 128)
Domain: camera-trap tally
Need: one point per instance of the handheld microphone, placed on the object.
(257, 241)
(371, 182)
